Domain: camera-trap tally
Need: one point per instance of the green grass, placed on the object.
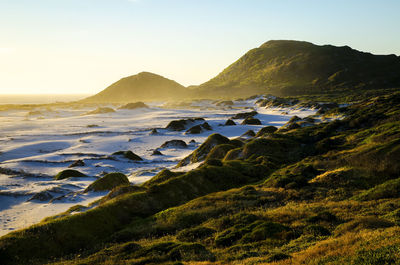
(324, 194)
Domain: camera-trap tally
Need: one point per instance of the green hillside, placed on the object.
(285, 67)
(141, 87)
(326, 193)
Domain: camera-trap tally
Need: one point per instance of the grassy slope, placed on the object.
(294, 67)
(313, 195)
(141, 87)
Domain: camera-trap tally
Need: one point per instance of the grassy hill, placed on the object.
(141, 87)
(279, 67)
(284, 67)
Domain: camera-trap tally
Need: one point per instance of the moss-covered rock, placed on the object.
(251, 121)
(206, 126)
(248, 134)
(180, 125)
(244, 115)
(195, 130)
(108, 182)
(229, 122)
(174, 144)
(69, 173)
(266, 130)
(129, 155)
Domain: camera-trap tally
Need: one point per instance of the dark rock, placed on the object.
(174, 144)
(249, 133)
(195, 130)
(192, 141)
(69, 173)
(129, 155)
(135, 105)
(266, 130)
(156, 153)
(206, 126)
(108, 182)
(180, 125)
(245, 115)
(294, 119)
(230, 123)
(177, 125)
(78, 163)
(153, 132)
(292, 126)
(251, 121)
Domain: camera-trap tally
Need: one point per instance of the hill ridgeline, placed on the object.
(144, 86)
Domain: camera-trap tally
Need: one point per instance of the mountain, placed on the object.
(286, 67)
(141, 87)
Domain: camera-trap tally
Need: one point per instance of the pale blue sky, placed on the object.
(82, 46)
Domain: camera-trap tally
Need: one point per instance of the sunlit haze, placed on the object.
(82, 46)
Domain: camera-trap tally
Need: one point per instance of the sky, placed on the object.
(82, 46)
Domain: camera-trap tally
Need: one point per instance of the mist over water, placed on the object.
(39, 99)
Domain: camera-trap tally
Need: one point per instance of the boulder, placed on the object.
(180, 125)
(174, 144)
(156, 153)
(248, 134)
(266, 130)
(69, 173)
(129, 155)
(108, 182)
(153, 131)
(251, 121)
(230, 122)
(206, 126)
(245, 115)
(77, 163)
(195, 130)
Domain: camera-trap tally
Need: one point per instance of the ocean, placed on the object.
(39, 99)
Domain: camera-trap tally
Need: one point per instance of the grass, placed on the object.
(324, 194)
